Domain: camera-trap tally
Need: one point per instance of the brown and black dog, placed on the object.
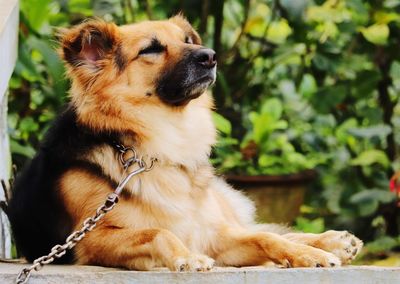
(144, 86)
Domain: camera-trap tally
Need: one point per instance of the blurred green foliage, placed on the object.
(301, 84)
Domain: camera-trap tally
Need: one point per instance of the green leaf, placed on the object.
(328, 97)
(15, 82)
(327, 13)
(370, 157)
(391, 3)
(368, 207)
(278, 31)
(297, 160)
(267, 161)
(280, 124)
(322, 62)
(287, 88)
(37, 12)
(379, 130)
(308, 86)
(83, 7)
(231, 161)
(17, 148)
(227, 141)
(342, 131)
(273, 107)
(108, 9)
(261, 128)
(223, 83)
(382, 244)
(377, 34)
(295, 9)
(395, 74)
(315, 226)
(366, 81)
(368, 200)
(54, 64)
(256, 26)
(382, 17)
(372, 194)
(28, 124)
(222, 124)
(395, 70)
(257, 23)
(25, 67)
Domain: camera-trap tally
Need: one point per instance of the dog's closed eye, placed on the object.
(154, 48)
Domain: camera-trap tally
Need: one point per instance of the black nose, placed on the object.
(205, 57)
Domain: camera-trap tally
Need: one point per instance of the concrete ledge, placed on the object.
(251, 275)
(9, 17)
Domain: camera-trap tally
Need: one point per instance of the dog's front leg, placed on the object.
(139, 250)
(344, 245)
(243, 249)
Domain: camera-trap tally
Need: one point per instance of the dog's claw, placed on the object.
(286, 263)
(194, 262)
(354, 252)
(182, 267)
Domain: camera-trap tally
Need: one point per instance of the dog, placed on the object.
(145, 86)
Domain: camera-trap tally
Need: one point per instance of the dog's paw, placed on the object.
(193, 262)
(341, 243)
(307, 256)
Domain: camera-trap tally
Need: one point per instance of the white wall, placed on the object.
(9, 13)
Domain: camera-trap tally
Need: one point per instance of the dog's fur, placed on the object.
(143, 85)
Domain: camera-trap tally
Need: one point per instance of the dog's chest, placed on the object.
(177, 200)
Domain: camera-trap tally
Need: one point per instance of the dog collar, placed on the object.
(129, 156)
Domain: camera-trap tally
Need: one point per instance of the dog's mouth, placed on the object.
(193, 90)
(189, 79)
(198, 87)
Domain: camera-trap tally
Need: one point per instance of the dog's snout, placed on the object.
(206, 57)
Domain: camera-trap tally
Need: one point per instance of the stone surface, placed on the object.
(9, 14)
(250, 275)
(5, 236)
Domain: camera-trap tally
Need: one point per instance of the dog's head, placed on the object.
(148, 61)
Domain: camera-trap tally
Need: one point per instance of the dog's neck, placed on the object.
(183, 137)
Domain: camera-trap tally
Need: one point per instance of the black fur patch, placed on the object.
(171, 88)
(120, 59)
(38, 217)
(177, 82)
(71, 51)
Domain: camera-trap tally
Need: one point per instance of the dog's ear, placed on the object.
(92, 45)
(181, 22)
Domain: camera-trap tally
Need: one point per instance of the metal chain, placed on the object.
(112, 199)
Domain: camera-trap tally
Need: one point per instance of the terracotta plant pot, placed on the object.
(277, 198)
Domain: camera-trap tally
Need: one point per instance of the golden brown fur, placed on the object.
(179, 214)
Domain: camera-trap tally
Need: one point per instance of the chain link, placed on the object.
(112, 199)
